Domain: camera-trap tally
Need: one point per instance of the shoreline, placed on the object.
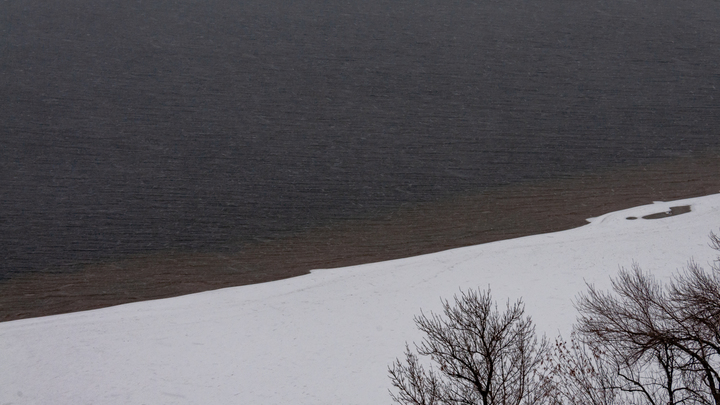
(503, 213)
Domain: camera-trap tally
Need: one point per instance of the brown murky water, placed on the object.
(507, 212)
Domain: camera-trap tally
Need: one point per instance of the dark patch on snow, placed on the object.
(683, 209)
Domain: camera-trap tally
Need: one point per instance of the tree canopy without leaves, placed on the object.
(482, 356)
(643, 342)
(663, 340)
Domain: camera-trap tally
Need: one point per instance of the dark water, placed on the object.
(140, 126)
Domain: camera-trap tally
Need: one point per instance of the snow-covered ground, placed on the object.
(327, 337)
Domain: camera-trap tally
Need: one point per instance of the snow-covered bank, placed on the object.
(328, 337)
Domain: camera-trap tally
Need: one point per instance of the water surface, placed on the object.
(165, 128)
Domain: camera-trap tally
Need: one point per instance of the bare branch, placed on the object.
(483, 356)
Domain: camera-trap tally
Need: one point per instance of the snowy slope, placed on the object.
(327, 337)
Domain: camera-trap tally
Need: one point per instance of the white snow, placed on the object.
(327, 337)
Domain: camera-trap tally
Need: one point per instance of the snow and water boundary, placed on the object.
(327, 337)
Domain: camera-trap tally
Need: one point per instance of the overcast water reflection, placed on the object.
(179, 127)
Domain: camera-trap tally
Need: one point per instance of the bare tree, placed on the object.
(582, 375)
(482, 357)
(664, 341)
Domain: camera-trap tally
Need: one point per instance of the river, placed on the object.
(207, 135)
